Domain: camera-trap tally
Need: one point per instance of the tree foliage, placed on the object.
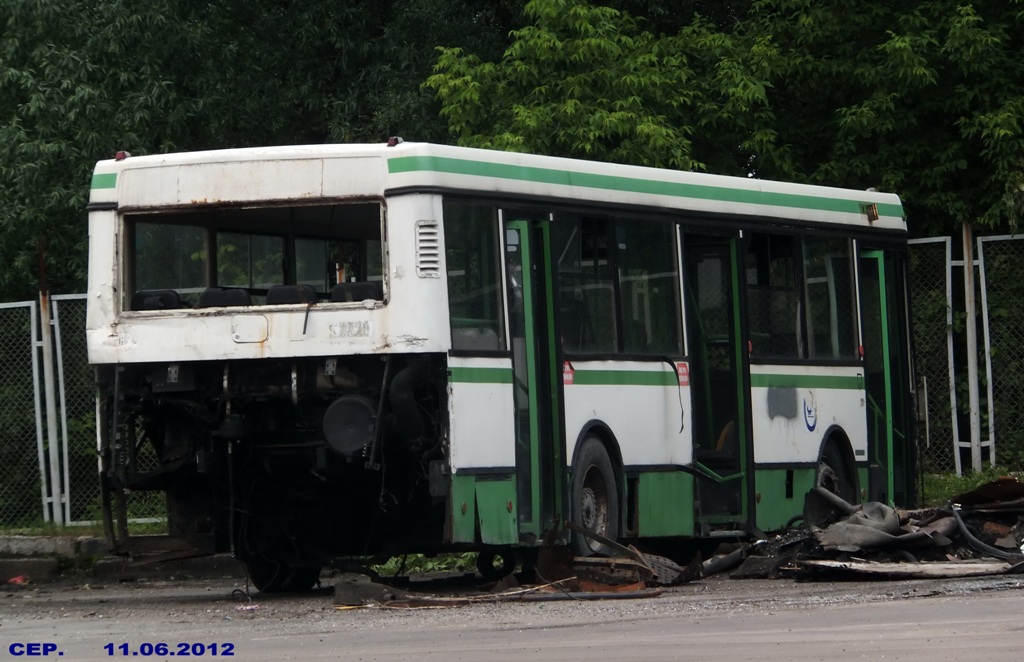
(80, 79)
(590, 81)
(924, 98)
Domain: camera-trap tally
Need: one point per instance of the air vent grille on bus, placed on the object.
(428, 250)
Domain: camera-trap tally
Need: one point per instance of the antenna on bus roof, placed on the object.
(395, 140)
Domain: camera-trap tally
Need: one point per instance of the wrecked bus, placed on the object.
(334, 351)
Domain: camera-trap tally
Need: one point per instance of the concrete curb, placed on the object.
(68, 547)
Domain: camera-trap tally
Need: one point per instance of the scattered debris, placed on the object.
(1006, 493)
(651, 568)
(723, 562)
(980, 533)
(931, 570)
(362, 591)
(247, 608)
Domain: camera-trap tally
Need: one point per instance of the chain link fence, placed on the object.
(1002, 281)
(22, 460)
(30, 447)
(78, 409)
(931, 316)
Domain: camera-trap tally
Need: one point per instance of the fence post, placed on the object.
(56, 497)
(974, 401)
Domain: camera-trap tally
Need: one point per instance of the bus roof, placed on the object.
(374, 170)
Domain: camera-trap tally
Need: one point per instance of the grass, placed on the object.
(940, 488)
(418, 564)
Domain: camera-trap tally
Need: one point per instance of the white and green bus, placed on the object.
(335, 351)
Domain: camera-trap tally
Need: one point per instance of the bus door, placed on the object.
(717, 377)
(539, 443)
(887, 379)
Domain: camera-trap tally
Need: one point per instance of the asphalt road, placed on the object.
(717, 619)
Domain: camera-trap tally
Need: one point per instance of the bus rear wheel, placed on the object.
(495, 564)
(270, 576)
(835, 474)
(595, 504)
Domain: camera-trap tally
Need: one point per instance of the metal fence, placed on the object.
(77, 406)
(938, 301)
(23, 463)
(1001, 266)
(48, 464)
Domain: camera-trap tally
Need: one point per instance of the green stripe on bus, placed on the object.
(106, 180)
(807, 381)
(481, 375)
(629, 184)
(624, 378)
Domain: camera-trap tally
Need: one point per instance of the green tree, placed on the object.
(81, 79)
(591, 81)
(68, 97)
(922, 98)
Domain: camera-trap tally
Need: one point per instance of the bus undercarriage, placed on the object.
(288, 464)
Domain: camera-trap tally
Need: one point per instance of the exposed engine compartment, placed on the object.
(286, 463)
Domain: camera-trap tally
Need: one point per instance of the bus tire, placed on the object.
(835, 474)
(273, 577)
(486, 563)
(595, 503)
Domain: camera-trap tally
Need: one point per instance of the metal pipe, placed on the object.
(56, 494)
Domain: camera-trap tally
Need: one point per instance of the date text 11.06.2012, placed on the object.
(161, 649)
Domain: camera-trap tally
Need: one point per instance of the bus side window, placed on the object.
(831, 305)
(648, 288)
(473, 262)
(587, 313)
(774, 305)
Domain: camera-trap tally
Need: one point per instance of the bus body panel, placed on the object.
(481, 415)
(793, 407)
(437, 166)
(642, 404)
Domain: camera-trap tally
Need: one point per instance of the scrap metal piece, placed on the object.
(669, 573)
(921, 570)
(654, 569)
(1006, 493)
(733, 559)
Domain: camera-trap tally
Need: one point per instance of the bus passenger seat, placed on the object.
(284, 294)
(217, 297)
(358, 291)
(157, 300)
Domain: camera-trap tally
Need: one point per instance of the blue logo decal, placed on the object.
(810, 416)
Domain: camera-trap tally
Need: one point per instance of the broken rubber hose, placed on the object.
(982, 547)
(836, 501)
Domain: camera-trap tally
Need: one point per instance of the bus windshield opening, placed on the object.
(255, 256)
